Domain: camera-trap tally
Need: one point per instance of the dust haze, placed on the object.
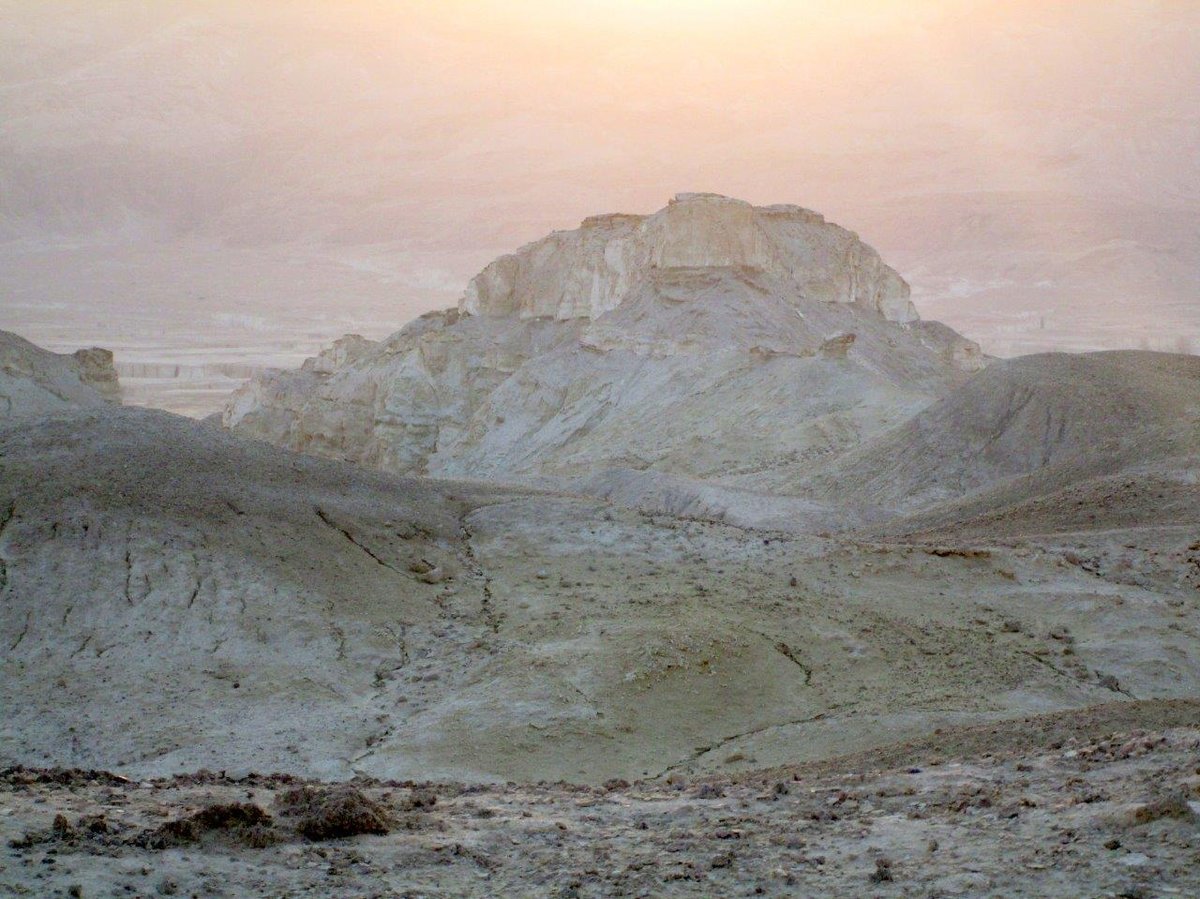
(209, 188)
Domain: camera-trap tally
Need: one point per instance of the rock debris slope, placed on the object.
(710, 338)
(174, 598)
(34, 381)
(1098, 803)
(1103, 440)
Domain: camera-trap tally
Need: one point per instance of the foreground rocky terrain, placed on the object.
(1105, 803)
(785, 590)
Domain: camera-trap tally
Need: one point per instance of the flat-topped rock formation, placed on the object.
(592, 270)
(710, 338)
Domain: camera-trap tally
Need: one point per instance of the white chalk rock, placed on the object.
(694, 341)
(592, 270)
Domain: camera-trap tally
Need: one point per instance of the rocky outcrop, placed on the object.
(96, 369)
(34, 381)
(838, 347)
(592, 270)
(706, 340)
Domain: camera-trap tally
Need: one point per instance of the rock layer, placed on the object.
(710, 337)
(34, 381)
(592, 270)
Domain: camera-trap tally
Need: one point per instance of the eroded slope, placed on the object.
(34, 381)
(176, 598)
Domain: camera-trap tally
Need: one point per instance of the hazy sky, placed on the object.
(212, 115)
(1048, 150)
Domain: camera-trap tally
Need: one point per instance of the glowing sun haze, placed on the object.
(694, 14)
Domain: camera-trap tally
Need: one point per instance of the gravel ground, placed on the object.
(1013, 810)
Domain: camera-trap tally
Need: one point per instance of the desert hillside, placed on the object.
(710, 338)
(689, 448)
(726, 708)
(176, 597)
(1037, 424)
(756, 366)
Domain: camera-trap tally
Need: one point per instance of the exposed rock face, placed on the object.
(96, 369)
(590, 271)
(34, 381)
(838, 347)
(344, 351)
(689, 341)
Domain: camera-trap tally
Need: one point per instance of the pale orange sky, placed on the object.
(1047, 150)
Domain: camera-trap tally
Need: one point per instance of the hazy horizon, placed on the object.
(220, 182)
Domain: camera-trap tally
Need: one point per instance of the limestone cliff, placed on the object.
(592, 270)
(694, 341)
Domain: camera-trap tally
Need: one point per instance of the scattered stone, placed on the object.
(883, 871)
(420, 800)
(330, 813)
(433, 576)
(241, 823)
(62, 828)
(1175, 806)
(1108, 682)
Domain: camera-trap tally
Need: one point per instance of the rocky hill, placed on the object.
(174, 598)
(753, 366)
(709, 338)
(34, 381)
(1033, 426)
(223, 604)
